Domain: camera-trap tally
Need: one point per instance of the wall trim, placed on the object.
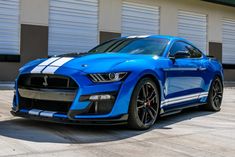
(10, 58)
(229, 66)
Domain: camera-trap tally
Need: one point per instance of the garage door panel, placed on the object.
(193, 26)
(193, 23)
(138, 7)
(9, 27)
(139, 19)
(73, 26)
(228, 54)
(193, 34)
(138, 14)
(139, 27)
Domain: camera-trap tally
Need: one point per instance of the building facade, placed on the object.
(31, 29)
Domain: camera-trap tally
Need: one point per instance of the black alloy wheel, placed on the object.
(144, 107)
(215, 95)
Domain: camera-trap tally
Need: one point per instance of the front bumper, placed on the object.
(75, 114)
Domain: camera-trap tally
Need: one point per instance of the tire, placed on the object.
(144, 105)
(215, 96)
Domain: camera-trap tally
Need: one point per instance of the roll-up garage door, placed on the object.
(228, 41)
(193, 27)
(139, 19)
(9, 26)
(73, 26)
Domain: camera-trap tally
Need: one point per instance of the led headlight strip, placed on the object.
(108, 77)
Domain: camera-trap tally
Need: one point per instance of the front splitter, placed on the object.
(122, 120)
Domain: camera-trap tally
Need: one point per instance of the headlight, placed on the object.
(108, 77)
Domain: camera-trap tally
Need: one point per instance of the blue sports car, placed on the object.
(131, 80)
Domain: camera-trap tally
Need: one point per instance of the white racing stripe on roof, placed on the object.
(143, 36)
(140, 36)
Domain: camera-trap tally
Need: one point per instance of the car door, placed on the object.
(183, 79)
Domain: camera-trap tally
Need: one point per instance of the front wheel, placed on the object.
(215, 95)
(144, 105)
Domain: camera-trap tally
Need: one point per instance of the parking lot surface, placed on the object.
(193, 133)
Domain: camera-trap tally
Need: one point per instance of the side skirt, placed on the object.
(179, 109)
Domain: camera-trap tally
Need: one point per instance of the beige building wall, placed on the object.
(110, 18)
(33, 36)
(110, 15)
(35, 12)
(34, 17)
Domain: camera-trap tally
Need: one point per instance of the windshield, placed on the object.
(133, 46)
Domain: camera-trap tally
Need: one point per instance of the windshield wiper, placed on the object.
(72, 54)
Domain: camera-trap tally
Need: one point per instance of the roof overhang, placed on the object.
(230, 3)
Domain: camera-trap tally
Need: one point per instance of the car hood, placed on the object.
(92, 63)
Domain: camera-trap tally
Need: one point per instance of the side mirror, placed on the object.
(180, 54)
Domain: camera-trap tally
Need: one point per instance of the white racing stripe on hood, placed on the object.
(61, 61)
(49, 61)
(37, 69)
(56, 65)
(43, 65)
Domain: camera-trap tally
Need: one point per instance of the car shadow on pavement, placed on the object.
(36, 131)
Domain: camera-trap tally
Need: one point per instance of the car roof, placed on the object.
(156, 36)
(170, 38)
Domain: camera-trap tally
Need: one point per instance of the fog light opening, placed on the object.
(100, 97)
(96, 107)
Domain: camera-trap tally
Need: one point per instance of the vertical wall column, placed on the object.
(168, 18)
(215, 34)
(110, 12)
(34, 15)
(34, 29)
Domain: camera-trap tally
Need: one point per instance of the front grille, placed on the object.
(56, 106)
(46, 92)
(46, 81)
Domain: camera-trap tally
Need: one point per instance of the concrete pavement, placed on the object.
(191, 133)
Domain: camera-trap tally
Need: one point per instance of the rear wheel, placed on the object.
(215, 95)
(144, 105)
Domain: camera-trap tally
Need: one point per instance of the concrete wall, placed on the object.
(33, 36)
(34, 12)
(34, 17)
(168, 19)
(110, 18)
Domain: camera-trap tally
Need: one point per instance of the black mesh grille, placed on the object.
(57, 106)
(46, 81)
(101, 107)
(41, 81)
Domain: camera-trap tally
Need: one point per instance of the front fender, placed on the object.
(128, 86)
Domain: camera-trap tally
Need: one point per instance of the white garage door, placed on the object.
(228, 41)
(193, 27)
(73, 26)
(139, 19)
(9, 26)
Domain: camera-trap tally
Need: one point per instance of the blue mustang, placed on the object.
(130, 80)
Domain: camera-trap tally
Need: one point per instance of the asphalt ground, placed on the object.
(193, 133)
